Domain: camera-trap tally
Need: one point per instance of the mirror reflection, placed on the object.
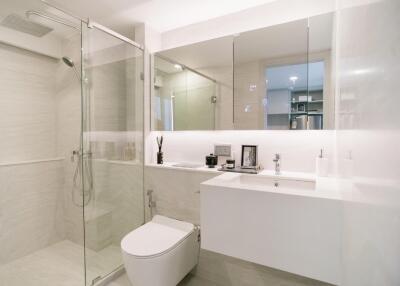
(321, 99)
(269, 64)
(193, 87)
(282, 76)
(274, 78)
(183, 98)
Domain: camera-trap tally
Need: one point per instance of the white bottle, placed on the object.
(347, 166)
(322, 165)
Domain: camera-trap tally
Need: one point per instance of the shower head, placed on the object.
(68, 61)
(19, 23)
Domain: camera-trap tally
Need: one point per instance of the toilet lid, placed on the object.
(156, 237)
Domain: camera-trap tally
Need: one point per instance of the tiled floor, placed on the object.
(217, 270)
(189, 280)
(192, 280)
(60, 264)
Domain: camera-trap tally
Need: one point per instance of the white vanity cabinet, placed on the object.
(279, 222)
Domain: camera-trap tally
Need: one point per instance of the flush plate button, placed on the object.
(222, 150)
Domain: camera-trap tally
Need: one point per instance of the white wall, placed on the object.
(269, 14)
(368, 140)
(298, 148)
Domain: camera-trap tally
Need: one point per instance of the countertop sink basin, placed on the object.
(267, 182)
(261, 181)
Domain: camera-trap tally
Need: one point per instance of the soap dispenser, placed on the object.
(322, 165)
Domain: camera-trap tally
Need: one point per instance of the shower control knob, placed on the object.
(74, 153)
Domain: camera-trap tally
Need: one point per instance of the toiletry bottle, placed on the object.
(322, 165)
(160, 158)
(133, 150)
(347, 165)
(126, 153)
(230, 163)
(160, 154)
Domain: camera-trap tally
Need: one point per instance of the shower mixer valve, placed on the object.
(74, 153)
(152, 203)
(77, 153)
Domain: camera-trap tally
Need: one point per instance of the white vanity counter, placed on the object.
(289, 183)
(193, 167)
(326, 187)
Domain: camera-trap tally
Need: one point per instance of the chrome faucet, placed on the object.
(277, 162)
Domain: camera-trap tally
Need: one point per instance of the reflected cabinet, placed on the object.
(273, 78)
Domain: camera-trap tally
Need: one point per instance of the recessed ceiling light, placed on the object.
(293, 79)
(362, 71)
(178, 67)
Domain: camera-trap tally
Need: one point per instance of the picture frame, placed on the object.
(249, 157)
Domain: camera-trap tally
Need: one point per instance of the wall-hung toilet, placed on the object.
(161, 252)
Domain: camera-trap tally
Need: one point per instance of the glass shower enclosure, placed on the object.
(71, 146)
(112, 90)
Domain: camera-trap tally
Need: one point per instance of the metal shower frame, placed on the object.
(101, 280)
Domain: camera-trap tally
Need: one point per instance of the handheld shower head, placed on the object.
(69, 62)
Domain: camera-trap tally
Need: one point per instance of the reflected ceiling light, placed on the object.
(252, 87)
(362, 71)
(178, 67)
(265, 101)
(293, 79)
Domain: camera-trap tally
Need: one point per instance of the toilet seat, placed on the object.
(161, 252)
(156, 237)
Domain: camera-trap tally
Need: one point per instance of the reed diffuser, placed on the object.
(160, 159)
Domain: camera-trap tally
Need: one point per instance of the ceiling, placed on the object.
(122, 15)
(20, 7)
(311, 75)
(161, 15)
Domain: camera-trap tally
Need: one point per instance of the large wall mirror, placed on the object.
(193, 87)
(275, 78)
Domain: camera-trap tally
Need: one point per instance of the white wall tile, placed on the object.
(368, 139)
(31, 204)
(27, 101)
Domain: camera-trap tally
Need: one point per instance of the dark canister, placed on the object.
(211, 160)
(230, 164)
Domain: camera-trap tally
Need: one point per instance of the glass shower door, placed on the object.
(112, 108)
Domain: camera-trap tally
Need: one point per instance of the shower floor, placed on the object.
(60, 264)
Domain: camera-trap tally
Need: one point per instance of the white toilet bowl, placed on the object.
(161, 252)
